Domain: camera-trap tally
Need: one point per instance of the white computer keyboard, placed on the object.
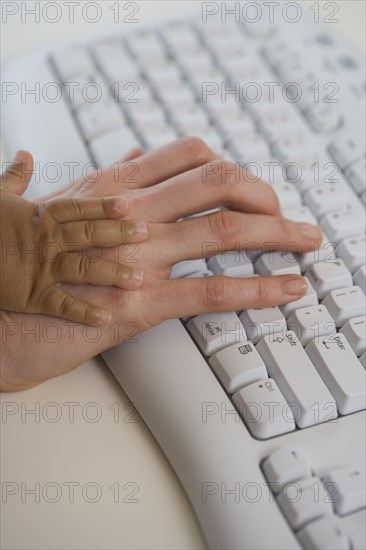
(260, 412)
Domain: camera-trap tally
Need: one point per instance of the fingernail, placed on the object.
(295, 287)
(20, 156)
(121, 205)
(104, 317)
(310, 231)
(140, 228)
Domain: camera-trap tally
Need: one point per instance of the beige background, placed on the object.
(111, 451)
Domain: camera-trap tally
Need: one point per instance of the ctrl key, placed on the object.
(264, 409)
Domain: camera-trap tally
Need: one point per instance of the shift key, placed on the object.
(297, 378)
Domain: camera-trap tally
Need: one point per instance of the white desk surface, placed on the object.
(37, 453)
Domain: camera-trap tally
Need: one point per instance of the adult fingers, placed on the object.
(193, 296)
(166, 162)
(226, 230)
(214, 184)
(133, 154)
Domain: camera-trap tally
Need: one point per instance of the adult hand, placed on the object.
(178, 180)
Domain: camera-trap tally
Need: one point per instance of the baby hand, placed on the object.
(42, 245)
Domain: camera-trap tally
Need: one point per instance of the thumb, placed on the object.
(18, 174)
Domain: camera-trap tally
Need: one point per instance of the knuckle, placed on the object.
(89, 232)
(222, 176)
(223, 226)
(262, 292)
(194, 147)
(83, 267)
(65, 304)
(215, 292)
(76, 207)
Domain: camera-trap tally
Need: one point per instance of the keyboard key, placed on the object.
(234, 124)
(144, 120)
(210, 136)
(311, 322)
(300, 215)
(264, 409)
(341, 371)
(304, 501)
(345, 303)
(328, 276)
(161, 135)
(323, 534)
(187, 267)
(116, 61)
(342, 224)
(353, 252)
(310, 299)
(324, 198)
(86, 88)
(346, 150)
(260, 322)
(359, 278)
(277, 263)
(73, 60)
(99, 118)
(287, 148)
(249, 148)
(147, 46)
(355, 332)
(297, 378)
(325, 253)
(285, 466)
(189, 117)
(238, 366)
(232, 264)
(324, 118)
(348, 489)
(215, 331)
(111, 147)
(287, 195)
(356, 175)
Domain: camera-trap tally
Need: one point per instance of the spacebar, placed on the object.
(200, 433)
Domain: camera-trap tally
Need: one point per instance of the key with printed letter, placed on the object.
(297, 378)
(259, 322)
(264, 409)
(284, 466)
(350, 487)
(310, 299)
(353, 252)
(304, 501)
(237, 366)
(345, 303)
(311, 322)
(323, 534)
(355, 332)
(341, 371)
(328, 276)
(215, 331)
(277, 263)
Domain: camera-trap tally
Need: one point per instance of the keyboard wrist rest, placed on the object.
(175, 391)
